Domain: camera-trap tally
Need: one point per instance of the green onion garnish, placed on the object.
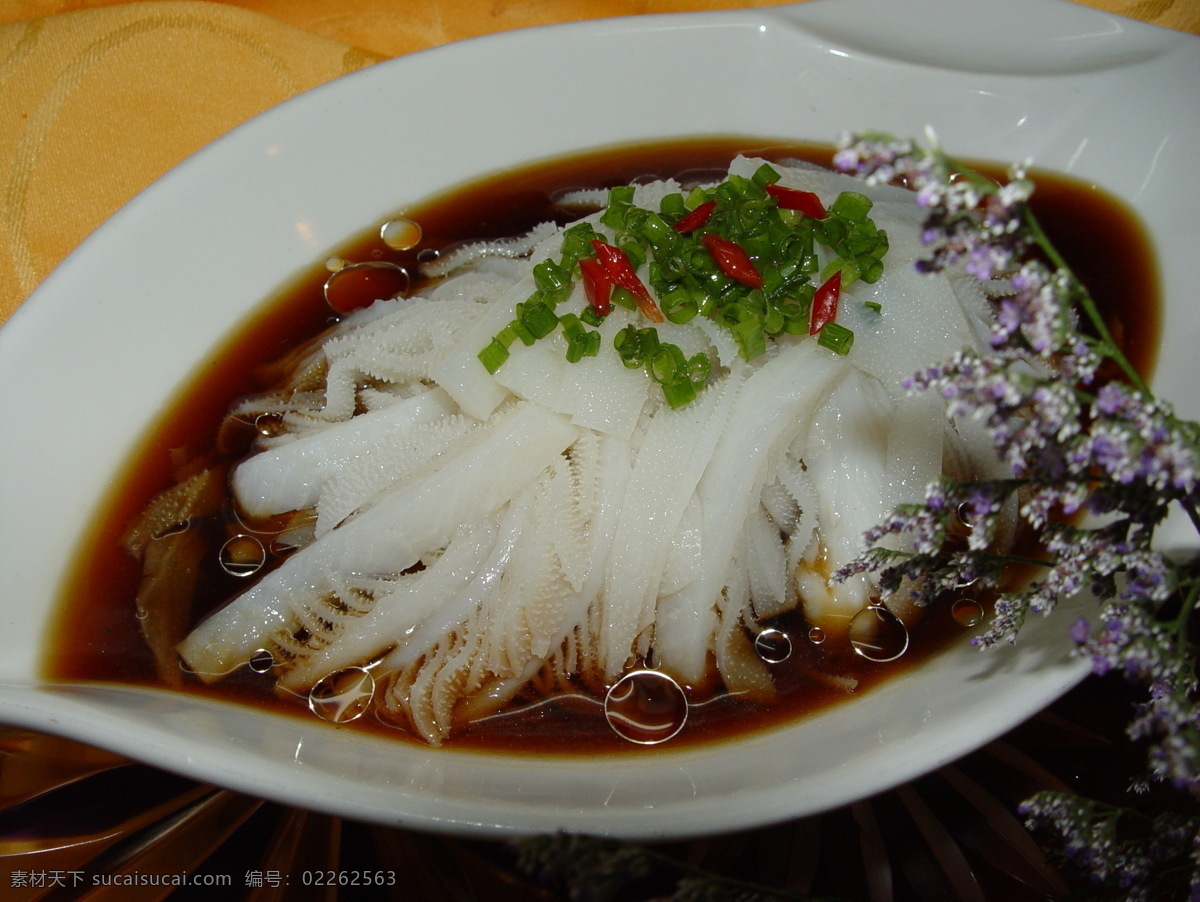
(679, 392)
(538, 318)
(836, 337)
(685, 280)
(493, 356)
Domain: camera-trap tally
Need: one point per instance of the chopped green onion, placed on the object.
(648, 337)
(614, 216)
(667, 364)
(493, 356)
(620, 194)
(590, 316)
(622, 298)
(874, 305)
(506, 336)
(679, 392)
(538, 318)
(552, 281)
(586, 343)
(699, 368)
(571, 325)
(852, 206)
(519, 329)
(636, 346)
(748, 333)
(836, 338)
(672, 206)
(765, 174)
(678, 306)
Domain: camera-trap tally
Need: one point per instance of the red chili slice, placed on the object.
(732, 260)
(794, 199)
(825, 303)
(696, 218)
(596, 285)
(620, 270)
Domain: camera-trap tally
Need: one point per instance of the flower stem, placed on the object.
(1086, 303)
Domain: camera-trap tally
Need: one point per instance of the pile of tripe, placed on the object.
(541, 471)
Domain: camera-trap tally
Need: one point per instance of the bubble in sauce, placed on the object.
(242, 555)
(646, 707)
(261, 661)
(878, 635)
(400, 234)
(361, 284)
(773, 646)
(343, 695)
(269, 424)
(966, 612)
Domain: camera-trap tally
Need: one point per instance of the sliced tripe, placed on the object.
(363, 479)
(845, 456)
(420, 516)
(775, 403)
(401, 611)
(291, 476)
(458, 370)
(673, 455)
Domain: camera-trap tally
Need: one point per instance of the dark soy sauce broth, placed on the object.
(97, 637)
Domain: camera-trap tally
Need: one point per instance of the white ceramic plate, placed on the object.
(109, 337)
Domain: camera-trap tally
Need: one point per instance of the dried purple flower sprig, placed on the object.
(1144, 858)
(1107, 451)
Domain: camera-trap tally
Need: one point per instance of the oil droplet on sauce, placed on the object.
(361, 284)
(773, 646)
(242, 556)
(343, 696)
(646, 707)
(967, 612)
(400, 234)
(878, 635)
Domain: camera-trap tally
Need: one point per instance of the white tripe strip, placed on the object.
(291, 477)
(525, 611)
(498, 461)
(921, 314)
(825, 183)
(363, 479)
(766, 564)
(672, 457)
(684, 555)
(398, 613)
(915, 446)
(846, 458)
(518, 246)
(459, 372)
(775, 403)
(397, 343)
(794, 480)
(443, 621)
(600, 392)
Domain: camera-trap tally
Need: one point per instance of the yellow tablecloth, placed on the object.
(100, 97)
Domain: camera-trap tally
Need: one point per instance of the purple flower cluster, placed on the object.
(1118, 849)
(988, 231)
(1139, 442)
(1170, 720)
(1095, 468)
